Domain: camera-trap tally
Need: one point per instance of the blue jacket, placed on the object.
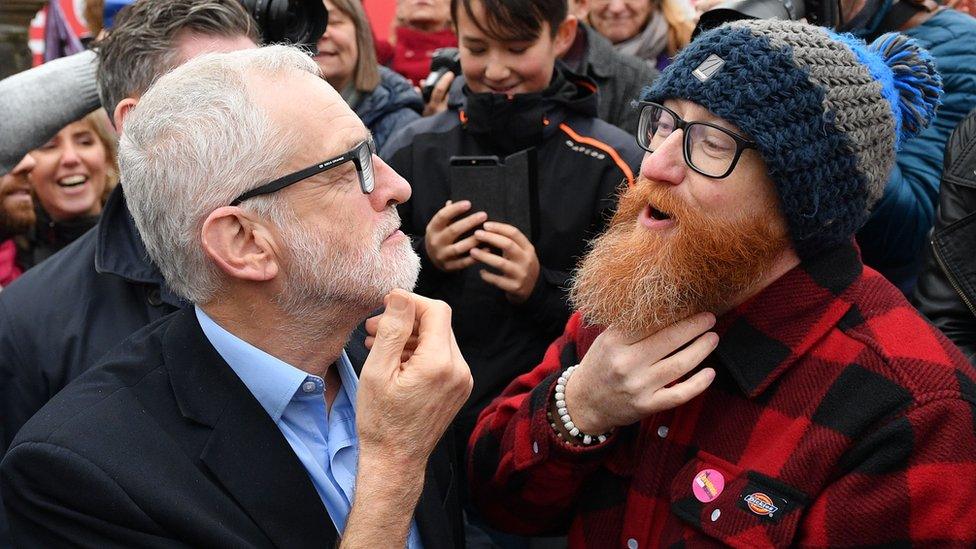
(895, 235)
(392, 105)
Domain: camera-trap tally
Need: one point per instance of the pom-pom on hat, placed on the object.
(826, 110)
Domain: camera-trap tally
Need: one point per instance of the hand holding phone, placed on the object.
(441, 240)
(516, 264)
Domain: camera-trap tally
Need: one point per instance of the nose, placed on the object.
(666, 164)
(616, 6)
(69, 156)
(496, 70)
(25, 166)
(389, 188)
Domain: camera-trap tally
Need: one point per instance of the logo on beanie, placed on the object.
(708, 67)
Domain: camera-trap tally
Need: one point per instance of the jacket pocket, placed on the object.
(721, 503)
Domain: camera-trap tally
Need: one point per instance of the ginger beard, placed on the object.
(642, 280)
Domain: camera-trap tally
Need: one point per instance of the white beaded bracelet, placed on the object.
(568, 424)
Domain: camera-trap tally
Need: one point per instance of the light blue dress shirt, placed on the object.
(324, 441)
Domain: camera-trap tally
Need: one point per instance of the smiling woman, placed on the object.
(384, 100)
(76, 169)
(652, 30)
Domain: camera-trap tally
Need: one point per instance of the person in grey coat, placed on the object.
(619, 77)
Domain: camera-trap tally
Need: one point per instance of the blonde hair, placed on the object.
(98, 122)
(680, 16)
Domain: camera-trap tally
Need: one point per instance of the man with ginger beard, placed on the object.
(16, 216)
(827, 412)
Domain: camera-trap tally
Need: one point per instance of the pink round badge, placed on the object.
(707, 485)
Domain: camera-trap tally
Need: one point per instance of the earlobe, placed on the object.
(239, 245)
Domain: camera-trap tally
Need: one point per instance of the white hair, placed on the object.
(196, 141)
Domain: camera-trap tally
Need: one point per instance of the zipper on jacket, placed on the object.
(951, 278)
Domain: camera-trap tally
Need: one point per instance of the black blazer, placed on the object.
(163, 445)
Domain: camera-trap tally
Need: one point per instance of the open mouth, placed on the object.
(656, 214)
(73, 180)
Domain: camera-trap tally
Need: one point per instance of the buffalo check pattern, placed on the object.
(838, 418)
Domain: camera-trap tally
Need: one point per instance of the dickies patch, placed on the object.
(760, 504)
(765, 503)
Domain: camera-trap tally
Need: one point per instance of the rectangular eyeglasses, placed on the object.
(709, 149)
(361, 156)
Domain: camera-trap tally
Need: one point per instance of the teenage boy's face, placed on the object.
(510, 67)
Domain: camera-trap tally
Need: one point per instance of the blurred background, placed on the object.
(29, 28)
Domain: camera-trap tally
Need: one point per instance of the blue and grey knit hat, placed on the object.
(827, 111)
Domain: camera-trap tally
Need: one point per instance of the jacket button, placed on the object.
(632, 544)
(154, 298)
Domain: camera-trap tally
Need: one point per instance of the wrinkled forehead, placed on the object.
(307, 107)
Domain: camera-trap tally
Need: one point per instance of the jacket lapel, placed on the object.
(246, 451)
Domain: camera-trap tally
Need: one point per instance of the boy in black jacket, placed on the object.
(507, 289)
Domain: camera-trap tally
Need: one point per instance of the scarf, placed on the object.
(649, 43)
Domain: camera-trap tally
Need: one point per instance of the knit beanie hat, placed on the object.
(826, 110)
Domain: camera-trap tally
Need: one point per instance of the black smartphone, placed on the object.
(501, 188)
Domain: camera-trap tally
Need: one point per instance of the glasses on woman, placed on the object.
(710, 150)
(361, 156)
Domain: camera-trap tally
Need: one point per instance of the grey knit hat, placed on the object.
(827, 112)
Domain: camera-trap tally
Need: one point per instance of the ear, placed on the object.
(121, 111)
(565, 35)
(241, 246)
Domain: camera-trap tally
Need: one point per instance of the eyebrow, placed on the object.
(713, 119)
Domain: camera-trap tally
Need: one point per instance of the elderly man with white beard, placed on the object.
(827, 412)
(252, 418)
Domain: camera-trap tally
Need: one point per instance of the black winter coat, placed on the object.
(946, 291)
(60, 317)
(582, 162)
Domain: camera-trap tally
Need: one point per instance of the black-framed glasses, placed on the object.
(709, 149)
(361, 155)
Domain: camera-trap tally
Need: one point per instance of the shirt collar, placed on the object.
(760, 339)
(272, 381)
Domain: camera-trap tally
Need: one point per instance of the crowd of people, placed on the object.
(613, 280)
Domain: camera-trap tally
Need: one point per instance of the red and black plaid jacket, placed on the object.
(839, 417)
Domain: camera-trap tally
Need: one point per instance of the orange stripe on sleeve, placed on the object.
(628, 173)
